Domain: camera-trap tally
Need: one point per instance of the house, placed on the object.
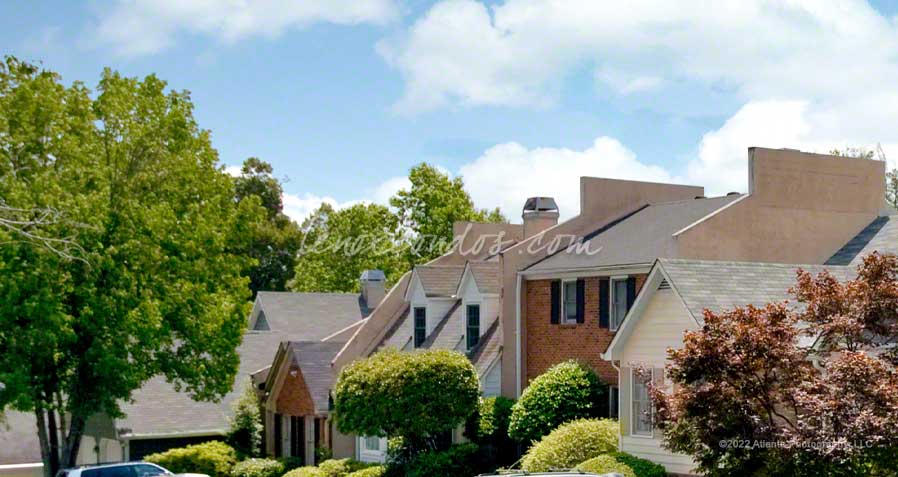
(800, 208)
(673, 299)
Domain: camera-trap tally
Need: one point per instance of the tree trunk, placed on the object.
(73, 440)
(44, 442)
(53, 433)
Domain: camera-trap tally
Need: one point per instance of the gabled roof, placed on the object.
(309, 316)
(487, 276)
(880, 236)
(439, 280)
(637, 238)
(313, 359)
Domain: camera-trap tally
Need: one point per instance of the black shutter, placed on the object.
(581, 299)
(556, 302)
(603, 302)
(631, 291)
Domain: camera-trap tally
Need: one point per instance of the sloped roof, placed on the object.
(439, 280)
(311, 316)
(488, 350)
(638, 238)
(160, 410)
(487, 276)
(313, 359)
(400, 334)
(881, 236)
(449, 331)
(717, 285)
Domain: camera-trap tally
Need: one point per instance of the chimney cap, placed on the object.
(373, 275)
(540, 204)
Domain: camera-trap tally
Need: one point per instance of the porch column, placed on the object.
(309, 424)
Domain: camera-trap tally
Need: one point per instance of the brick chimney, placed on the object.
(373, 285)
(539, 214)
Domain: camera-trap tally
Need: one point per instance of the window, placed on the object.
(613, 402)
(642, 404)
(146, 470)
(569, 300)
(420, 326)
(618, 302)
(473, 326)
(372, 443)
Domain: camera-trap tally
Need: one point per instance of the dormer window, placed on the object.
(472, 329)
(420, 326)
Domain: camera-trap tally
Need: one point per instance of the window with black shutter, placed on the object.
(420, 326)
(473, 326)
(555, 312)
(604, 295)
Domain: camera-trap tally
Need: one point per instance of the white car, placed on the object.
(122, 469)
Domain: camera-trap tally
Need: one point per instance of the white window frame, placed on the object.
(564, 319)
(479, 321)
(612, 326)
(616, 412)
(650, 435)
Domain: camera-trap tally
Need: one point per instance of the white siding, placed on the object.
(489, 304)
(492, 382)
(660, 327)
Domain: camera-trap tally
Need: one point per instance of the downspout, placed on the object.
(517, 334)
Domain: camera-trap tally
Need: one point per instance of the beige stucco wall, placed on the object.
(601, 201)
(801, 208)
(343, 444)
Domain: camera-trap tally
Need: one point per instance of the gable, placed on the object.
(261, 322)
(293, 396)
(660, 327)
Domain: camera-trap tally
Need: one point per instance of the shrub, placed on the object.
(417, 395)
(373, 471)
(606, 464)
(291, 462)
(245, 431)
(488, 428)
(567, 391)
(571, 444)
(307, 471)
(641, 467)
(215, 459)
(340, 467)
(459, 460)
(258, 468)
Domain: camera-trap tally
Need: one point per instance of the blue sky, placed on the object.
(519, 96)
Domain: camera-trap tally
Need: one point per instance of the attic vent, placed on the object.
(261, 323)
(664, 285)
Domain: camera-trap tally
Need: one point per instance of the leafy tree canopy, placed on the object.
(141, 275)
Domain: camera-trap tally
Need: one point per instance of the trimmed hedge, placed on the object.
(460, 460)
(215, 459)
(340, 467)
(373, 471)
(641, 467)
(307, 471)
(571, 444)
(606, 464)
(567, 391)
(258, 468)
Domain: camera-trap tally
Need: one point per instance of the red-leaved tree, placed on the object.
(810, 389)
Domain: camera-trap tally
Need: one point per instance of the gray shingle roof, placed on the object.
(487, 276)
(314, 359)
(449, 331)
(880, 236)
(639, 238)
(400, 334)
(439, 280)
(488, 350)
(717, 286)
(311, 316)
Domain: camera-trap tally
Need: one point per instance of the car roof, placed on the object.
(108, 465)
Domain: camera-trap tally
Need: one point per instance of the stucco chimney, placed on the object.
(539, 214)
(373, 284)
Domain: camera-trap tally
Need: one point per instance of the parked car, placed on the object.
(567, 473)
(122, 469)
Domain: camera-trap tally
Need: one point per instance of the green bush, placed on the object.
(488, 428)
(340, 467)
(307, 471)
(215, 459)
(373, 471)
(567, 391)
(416, 395)
(258, 468)
(245, 427)
(641, 467)
(606, 464)
(291, 462)
(460, 460)
(571, 444)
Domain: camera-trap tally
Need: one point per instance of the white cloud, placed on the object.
(233, 171)
(299, 207)
(389, 188)
(517, 52)
(506, 174)
(138, 27)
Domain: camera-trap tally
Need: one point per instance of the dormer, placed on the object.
(479, 290)
(431, 295)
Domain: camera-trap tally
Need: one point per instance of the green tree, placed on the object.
(415, 396)
(134, 272)
(275, 241)
(245, 432)
(430, 207)
(340, 244)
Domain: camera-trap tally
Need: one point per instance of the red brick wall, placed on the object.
(549, 344)
(293, 398)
